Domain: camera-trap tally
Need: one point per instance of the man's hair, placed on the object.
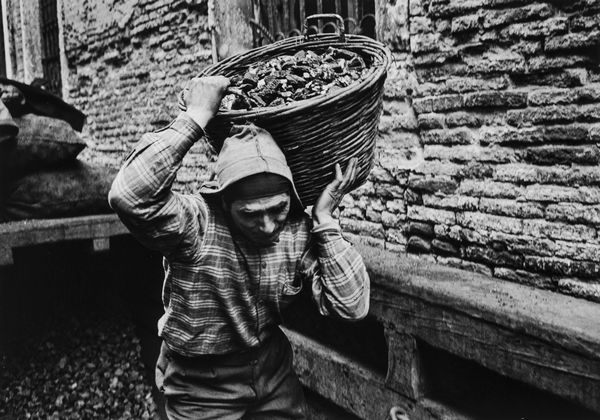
(260, 185)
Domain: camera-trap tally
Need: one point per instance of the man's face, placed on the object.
(261, 220)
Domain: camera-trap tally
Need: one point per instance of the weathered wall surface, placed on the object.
(488, 155)
(489, 148)
(127, 62)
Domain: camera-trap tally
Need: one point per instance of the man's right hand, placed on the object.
(202, 97)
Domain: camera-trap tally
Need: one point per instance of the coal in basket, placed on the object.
(318, 132)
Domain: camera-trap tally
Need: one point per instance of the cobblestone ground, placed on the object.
(82, 367)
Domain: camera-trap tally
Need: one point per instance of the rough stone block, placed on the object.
(511, 208)
(496, 61)
(484, 221)
(439, 184)
(573, 40)
(563, 155)
(581, 289)
(424, 43)
(444, 247)
(395, 236)
(424, 230)
(520, 173)
(584, 23)
(452, 202)
(437, 103)
(464, 119)
(477, 188)
(430, 71)
(495, 99)
(527, 48)
(554, 230)
(418, 245)
(448, 137)
(459, 153)
(541, 97)
(562, 266)
(574, 213)
(470, 84)
(363, 227)
(392, 220)
(426, 214)
(557, 194)
(465, 23)
(421, 25)
(500, 17)
(448, 232)
(430, 121)
(492, 258)
(553, 114)
(536, 29)
(546, 62)
(438, 168)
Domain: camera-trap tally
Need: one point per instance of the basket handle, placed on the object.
(325, 16)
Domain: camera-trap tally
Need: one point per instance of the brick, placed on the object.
(430, 121)
(573, 40)
(412, 197)
(484, 221)
(416, 8)
(465, 265)
(555, 230)
(438, 183)
(417, 245)
(489, 189)
(464, 119)
(557, 194)
(574, 213)
(562, 266)
(465, 23)
(436, 58)
(423, 43)
(395, 236)
(476, 170)
(424, 230)
(546, 63)
(553, 114)
(453, 202)
(492, 18)
(511, 208)
(563, 155)
(470, 84)
(444, 247)
(521, 173)
(470, 153)
(363, 227)
(495, 99)
(448, 232)
(421, 25)
(426, 214)
(448, 137)
(491, 257)
(557, 78)
(541, 97)
(428, 73)
(584, 23)
(439, 168)
(572, 133)
(396, 205)
(392, 220)
(496, 61)
(523, 277)
(581, 289)
(388, 190)
(437, 103)
(535, 29)
(453, 7)
(373, 216)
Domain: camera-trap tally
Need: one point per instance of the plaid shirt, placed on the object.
(221, 293)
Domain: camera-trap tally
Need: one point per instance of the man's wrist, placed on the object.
(200, 116)
(323, 218)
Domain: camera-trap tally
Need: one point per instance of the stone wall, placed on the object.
(127, 62)
(489, 141)
(487, 155)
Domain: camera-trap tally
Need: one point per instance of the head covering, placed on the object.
(256, 186)
(249, 150)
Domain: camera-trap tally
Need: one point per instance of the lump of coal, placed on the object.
(288, 78)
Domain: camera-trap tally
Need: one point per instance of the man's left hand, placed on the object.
(334, 192)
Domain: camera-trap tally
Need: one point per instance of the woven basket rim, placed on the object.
(318, 40)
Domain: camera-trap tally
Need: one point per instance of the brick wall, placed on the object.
(489, 142)
(127, 62)
(487, 156)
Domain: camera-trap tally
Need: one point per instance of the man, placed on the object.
(234, 255)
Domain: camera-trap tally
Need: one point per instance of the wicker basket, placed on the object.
(315, 133)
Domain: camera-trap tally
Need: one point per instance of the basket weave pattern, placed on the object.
(319, 132)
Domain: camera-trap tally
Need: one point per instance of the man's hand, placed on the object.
(202, 97)
(333, 193)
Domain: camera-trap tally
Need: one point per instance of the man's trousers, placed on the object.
(257, 384)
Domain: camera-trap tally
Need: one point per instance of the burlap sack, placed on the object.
(43, 142)
(80, 189)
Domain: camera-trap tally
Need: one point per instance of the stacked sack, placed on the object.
(40, 175)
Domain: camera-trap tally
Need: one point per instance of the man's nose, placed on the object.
(268, 225)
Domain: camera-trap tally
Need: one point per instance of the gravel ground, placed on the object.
(82, 367)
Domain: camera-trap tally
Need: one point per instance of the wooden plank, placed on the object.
(404, 365)
(509, 352)
(343, 381)
(562, 321)
(35, 232)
